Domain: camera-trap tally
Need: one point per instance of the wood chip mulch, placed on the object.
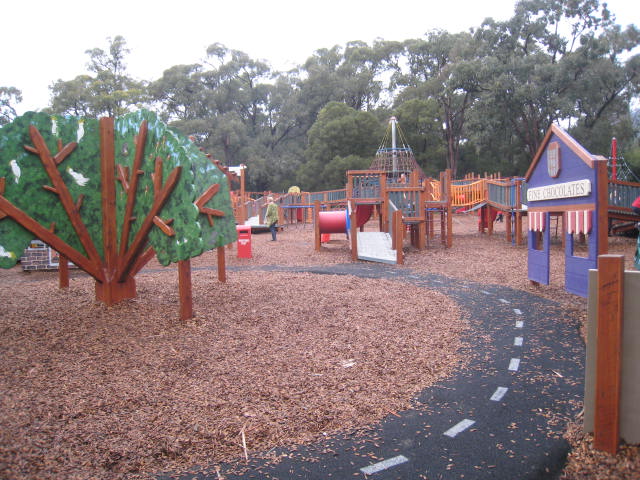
(271, 358)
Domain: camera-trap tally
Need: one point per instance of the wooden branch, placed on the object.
(123, 175)
(132, 186)
(164, 226)
(142, 260)
(51, 239)
(52, 227)
(156, 177)
(79, 201)
(65, 198)
(207, 195)
(126, 261)
(204, 198)
(210, 213)
(64, 152)
(108, 197)
(49, 188)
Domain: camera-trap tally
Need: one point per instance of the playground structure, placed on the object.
(566, 180)
(406, 203)
(424, 207)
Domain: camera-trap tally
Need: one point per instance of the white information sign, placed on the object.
(579, 188)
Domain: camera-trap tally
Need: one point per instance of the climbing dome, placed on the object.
(393, 159)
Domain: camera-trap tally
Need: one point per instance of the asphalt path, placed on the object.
(501, 417)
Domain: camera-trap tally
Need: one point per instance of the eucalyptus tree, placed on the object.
(445, 67)
(351, 75)
(360, 74)
(554, 60)
(9, 96)
(609, 76)
(178, 94)
(107, 91)
(221, 103)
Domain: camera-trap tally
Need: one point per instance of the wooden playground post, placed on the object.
(422, 223)
(398, 233)
(447, 186)
(602, 204)
(63, 272)
(243, 196)
(609, 344)
(222, 265)
(184, 288)
(413, 179)
(489, 219)
(519, 239)
(384, 213)
(316, 224)
(353, 231)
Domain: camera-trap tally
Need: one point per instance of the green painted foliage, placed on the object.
(25, 176)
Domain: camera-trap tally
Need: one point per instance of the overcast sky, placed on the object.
(42, 41)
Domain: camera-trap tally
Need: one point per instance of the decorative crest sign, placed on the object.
(553, 159)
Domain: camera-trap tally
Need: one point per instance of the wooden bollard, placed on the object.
(609, 357)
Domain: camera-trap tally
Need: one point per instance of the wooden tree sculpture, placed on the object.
(115, 193)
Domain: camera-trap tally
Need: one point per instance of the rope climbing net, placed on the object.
(395, 159)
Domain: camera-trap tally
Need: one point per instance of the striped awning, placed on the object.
(579, 221)
(536, 221)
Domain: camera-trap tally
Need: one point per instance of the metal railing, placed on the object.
(328, 196)
(406, 199)
(622, 194)
(506, 194)
(365, 184)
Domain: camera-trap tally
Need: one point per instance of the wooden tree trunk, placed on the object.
(111, 291)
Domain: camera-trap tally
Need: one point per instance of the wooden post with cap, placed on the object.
(609, 357)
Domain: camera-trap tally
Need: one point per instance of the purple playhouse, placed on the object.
(565, 180)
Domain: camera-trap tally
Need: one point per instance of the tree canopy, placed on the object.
(474, 101)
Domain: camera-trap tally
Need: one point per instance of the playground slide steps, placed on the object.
(376, 247)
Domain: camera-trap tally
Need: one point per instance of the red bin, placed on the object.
(244, 241)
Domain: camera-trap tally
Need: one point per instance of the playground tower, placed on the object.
(395, 160)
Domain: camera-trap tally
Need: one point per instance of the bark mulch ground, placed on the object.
(270, 359)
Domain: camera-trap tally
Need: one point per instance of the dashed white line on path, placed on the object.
(518, 341)
(459, 427)
(517, 311)
(519, 324)
(485, 292)
(504, 301)
(514, 364)
(498, 394)
(383, 465)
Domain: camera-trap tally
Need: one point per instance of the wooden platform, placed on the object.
(376, 247)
